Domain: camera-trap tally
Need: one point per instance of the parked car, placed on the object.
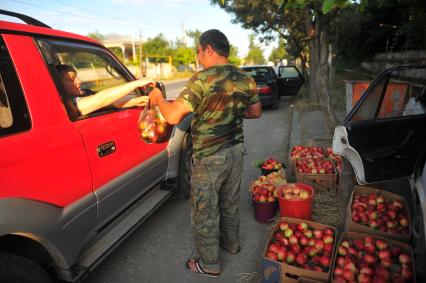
(384, 138)
(72, 187)
(271, 87)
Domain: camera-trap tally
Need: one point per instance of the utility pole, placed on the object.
(140, 54)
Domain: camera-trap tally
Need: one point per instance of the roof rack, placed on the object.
(24, 18)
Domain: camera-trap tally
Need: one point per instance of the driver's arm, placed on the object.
(108, 96)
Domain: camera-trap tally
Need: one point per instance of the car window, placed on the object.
(14, 116)
(288, 72)
(96, 69)
(401, 94)
(259, 74)
(368, 108)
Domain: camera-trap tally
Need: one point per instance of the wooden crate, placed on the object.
(354, 235)
(327, 182)
(277, 272)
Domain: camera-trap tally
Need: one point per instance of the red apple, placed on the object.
(325, 261)
(271, 256)
(358, 244)
(342, 251)
(318, 234)
(301, 259)
(381, 244)
(295, 248)
(384, 253)
(348, 275)
(328, 239)
(367, 270)
(288, 233)
(364, 278)
(290, 257)
(283, 226)
(369, 259)
(328, 248)
(302, 226)
(273, 248)
(308, 233)
(282, 254)
(404, 258)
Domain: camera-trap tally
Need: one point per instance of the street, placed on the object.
(158, 249)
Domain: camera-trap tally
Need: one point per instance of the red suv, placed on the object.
(72, 186)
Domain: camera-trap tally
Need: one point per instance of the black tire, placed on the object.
(16, 269)
(184, 178)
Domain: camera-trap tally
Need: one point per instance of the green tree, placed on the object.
(255, 53)
(279, 53)
(304, 22)
(195, 35)
(157, 46)
(233, 56)
(96, 35)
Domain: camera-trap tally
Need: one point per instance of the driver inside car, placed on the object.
(88, 101)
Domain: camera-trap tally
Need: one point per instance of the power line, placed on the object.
(97, 19)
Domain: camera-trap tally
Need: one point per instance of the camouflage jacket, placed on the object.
(218, 97)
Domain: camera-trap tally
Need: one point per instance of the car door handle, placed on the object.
(106, 148)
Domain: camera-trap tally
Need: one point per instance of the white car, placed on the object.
(384, 138)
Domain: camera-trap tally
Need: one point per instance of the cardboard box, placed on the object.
(354, 235)
(292, 161)
(277, 272)
(319, 181)
(361, 228)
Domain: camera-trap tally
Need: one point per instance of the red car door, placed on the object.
(122, 165)
(42, 155)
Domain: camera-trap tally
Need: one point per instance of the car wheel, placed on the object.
(14, 268)
(184, 179)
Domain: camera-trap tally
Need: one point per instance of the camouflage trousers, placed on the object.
(215, 183)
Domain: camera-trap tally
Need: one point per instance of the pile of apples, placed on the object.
(270, 164)
(300, 151)
(263, 188)
(293, 192)
(369, 259)
(337, 158)
(300, 245)
(378, 213)
(314, 166)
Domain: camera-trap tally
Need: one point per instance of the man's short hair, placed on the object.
(217, 40)
(65, 68)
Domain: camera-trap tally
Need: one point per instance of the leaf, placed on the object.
(222, 2)
(281, 4)
(328, 5)
(258, 163)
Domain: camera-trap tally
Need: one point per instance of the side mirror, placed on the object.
(147, 89)
(161, 86)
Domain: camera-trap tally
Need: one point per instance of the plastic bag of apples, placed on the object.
(151, 123)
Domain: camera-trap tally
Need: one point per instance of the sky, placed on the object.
(131, 17)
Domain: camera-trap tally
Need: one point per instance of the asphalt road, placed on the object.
(158, 249)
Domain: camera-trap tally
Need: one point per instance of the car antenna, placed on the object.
(26, 19)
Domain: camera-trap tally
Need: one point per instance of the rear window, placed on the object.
(259, 74)
(14, 116)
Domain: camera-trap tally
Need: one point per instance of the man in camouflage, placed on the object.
(220, 97)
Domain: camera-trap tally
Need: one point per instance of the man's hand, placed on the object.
(155, 96)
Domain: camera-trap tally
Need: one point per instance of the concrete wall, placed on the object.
(383, 61)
